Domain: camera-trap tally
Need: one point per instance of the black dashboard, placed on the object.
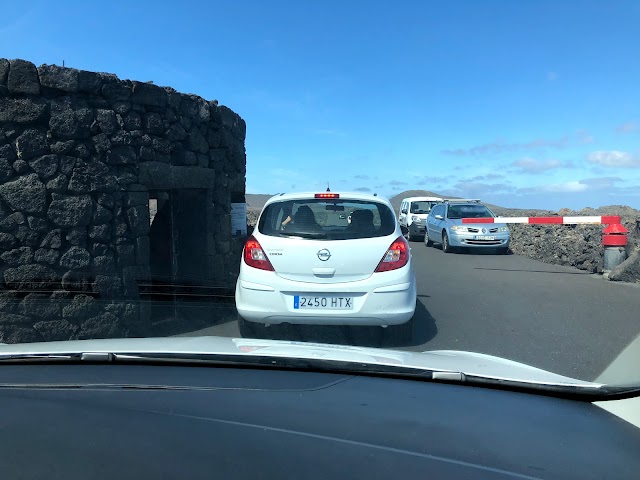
(115, 421)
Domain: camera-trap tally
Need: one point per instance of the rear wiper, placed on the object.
(303, 234)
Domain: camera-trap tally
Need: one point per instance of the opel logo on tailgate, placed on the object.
(324, 254)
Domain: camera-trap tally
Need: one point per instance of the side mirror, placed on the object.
(439, 217)
(404, 230)
(404, 210)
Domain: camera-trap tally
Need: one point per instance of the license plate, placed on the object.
(301, 302)
(484, 237)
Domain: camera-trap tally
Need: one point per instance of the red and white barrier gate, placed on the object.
(614, 235)
(596, 220)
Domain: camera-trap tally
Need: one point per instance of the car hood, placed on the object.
(469, 363)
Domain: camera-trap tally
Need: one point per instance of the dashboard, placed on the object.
(156, 421)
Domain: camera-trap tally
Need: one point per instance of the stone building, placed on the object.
(107, 186)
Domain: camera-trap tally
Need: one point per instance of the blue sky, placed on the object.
(521, 103)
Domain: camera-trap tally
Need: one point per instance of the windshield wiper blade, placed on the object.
(303, 234)
(581, 392)
(56, 357)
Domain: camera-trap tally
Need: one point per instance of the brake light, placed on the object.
(396, 257)
(327, 195)
(254, 256)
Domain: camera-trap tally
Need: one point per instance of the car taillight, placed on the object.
(254, 256)
(396, 257)
(327, 195)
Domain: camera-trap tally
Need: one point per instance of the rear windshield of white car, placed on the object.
(421, 207)
(327, 219)
(468, 211)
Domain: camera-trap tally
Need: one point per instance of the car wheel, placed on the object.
(409, 237)
(398, 335)
(446, 246)
(248, 329)
(427, 240)
(502, 250)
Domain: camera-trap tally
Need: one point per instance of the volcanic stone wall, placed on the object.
(86, 161)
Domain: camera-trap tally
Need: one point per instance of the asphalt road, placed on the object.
(556, 318)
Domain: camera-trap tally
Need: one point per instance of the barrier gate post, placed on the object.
(614, 240)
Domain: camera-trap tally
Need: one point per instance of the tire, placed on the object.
(446, 246)
(427, 240)
(249, 329)
(410, 237)
(399, 335)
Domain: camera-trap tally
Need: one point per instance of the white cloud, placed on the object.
(575, 186)
(600, 183)
(614, 158)
(531, 165)
(284, 172)
(633, 191)
(628, 127)
(499, 147)
(584, 137)
(362, 189)
(470, 188)
(569, 187)
(429, 180)
(331, 132)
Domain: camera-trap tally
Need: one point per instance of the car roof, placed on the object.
(463, 201)
(429, 199)
(343, 195)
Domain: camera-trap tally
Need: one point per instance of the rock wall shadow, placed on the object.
(176, 317)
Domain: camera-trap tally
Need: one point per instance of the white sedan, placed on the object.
(306, 264)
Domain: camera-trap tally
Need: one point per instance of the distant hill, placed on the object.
(397, 199)
(257, 200)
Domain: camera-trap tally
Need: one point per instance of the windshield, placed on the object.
(468, 211)
(421, 207)
(259, 171)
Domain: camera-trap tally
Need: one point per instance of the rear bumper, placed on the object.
(387, 298)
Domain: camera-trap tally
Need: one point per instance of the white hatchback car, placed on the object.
(307, 264)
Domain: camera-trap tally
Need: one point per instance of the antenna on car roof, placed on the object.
(328, 189)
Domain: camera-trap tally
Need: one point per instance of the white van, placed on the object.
(413, 215)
